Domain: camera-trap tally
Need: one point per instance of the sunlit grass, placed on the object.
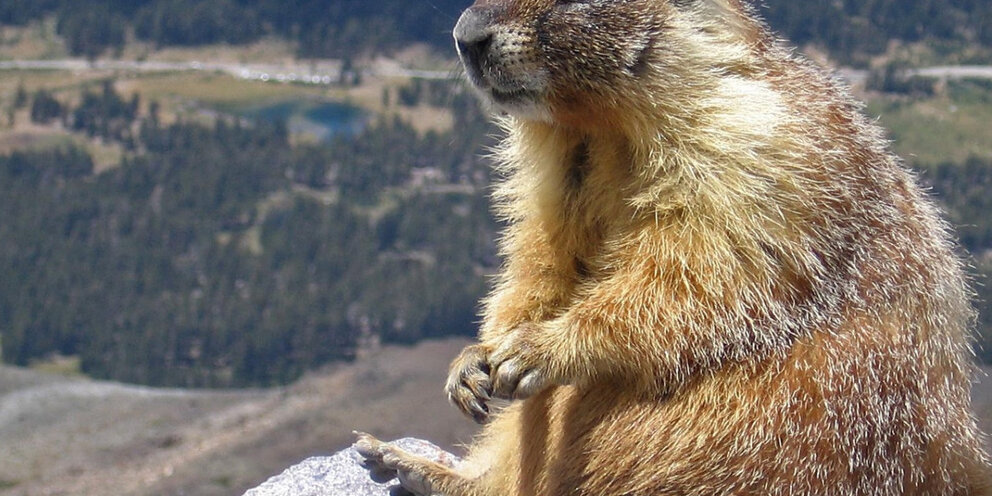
(214, 89)
(62, 365)
(33, 138)
(60, 82)
(36, 40)
(105, 156)
(266, 50)
(949, 127)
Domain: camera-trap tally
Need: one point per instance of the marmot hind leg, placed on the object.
(418, 475)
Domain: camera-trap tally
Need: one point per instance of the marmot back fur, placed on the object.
(718, 279)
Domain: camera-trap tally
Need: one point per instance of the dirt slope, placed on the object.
(79, 437)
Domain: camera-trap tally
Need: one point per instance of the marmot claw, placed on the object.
(469, 386)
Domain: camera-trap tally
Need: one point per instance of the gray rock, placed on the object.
(342, 474)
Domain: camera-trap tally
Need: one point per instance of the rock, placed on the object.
(342, 474)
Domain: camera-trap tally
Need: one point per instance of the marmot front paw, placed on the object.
(517, 371)
(386, 462)
(513, 371)
(469, 387)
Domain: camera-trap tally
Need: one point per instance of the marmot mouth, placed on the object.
(513, 96)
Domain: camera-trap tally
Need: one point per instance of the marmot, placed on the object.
(717, 280)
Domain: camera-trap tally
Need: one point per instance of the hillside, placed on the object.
(219, 251)
(75, 436)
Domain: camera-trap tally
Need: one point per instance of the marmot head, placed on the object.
(563, 60)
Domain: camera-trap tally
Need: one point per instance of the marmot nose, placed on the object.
(473, 37)
(472, 52)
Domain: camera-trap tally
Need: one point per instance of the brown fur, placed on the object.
(718, 279)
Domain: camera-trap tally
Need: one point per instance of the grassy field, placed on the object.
(948, 127)
(268, 50)
(24, 135)
(213, 89)
(64, 84)
(36, 40)
(191, 95)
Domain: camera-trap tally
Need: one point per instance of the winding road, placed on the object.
(328, 72)
(324, 72)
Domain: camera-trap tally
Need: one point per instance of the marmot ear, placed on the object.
(736, 16)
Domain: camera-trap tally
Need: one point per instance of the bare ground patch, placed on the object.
(75, 436)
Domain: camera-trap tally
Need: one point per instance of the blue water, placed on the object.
(322, 120)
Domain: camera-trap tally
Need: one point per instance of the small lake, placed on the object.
(321, 120)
